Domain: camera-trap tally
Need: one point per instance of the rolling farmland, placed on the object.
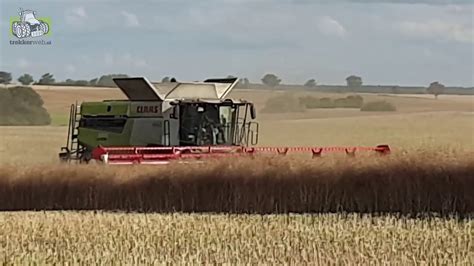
(377, 200)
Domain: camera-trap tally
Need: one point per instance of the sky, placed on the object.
(386, 42)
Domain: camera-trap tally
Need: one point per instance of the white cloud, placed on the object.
(131, 19)
(456, 8)
(70, 69)
(427, 52)
(330, 26)
(140, 62)
(109, 59)
(425, 2)
(437, 29)
(23, 63)
(124, 60)
(128, 59)
(76, 16)
(80, 12)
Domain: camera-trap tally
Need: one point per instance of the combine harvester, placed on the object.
(164, 122)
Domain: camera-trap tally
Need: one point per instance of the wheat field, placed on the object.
(410, 208)
(410, 184)
(132, 239)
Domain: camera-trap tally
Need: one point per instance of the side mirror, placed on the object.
(253, 112)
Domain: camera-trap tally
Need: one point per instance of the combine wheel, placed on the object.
(64, 158)
(85, 157)
(64, 155)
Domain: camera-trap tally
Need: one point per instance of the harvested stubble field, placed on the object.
(429, 174)
(132, 239)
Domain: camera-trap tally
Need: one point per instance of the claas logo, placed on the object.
(148, 109)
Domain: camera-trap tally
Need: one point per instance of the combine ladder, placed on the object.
(72, 150)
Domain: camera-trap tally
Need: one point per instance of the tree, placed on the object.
(22, 106)
(395, 90)
(165, 80)
(271, 80)
(81, 83)
(25, 79)
(5, 77)
(93, 82)
(46, 79)
(244, 82)
(354, 82)
(68, 82)
(436, 89)
(310, 83)
(108, 80)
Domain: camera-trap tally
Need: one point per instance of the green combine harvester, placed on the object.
(162, 122)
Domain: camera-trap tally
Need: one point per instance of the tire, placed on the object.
(65, 157)
(22, 30)
(27, 30)
(44, 27)
(16, 29)
(85, 157)
(19, 31)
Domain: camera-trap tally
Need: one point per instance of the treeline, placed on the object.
(48, 79)
(355, 84)
(268, 81)
(381, 89)
(388, 89)
(102, 81)
(287, 103)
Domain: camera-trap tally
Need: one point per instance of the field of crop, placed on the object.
(419, 122)
(428, 175)
(395, 184)
(130, 239)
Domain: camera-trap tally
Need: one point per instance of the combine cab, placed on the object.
(162, 122)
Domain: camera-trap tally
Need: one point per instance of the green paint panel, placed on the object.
(93, 138)
(105, 108)
(122, 108)
(94, 135)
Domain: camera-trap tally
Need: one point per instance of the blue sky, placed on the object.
(386, 42)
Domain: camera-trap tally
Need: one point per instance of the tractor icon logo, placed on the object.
(29, 26)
